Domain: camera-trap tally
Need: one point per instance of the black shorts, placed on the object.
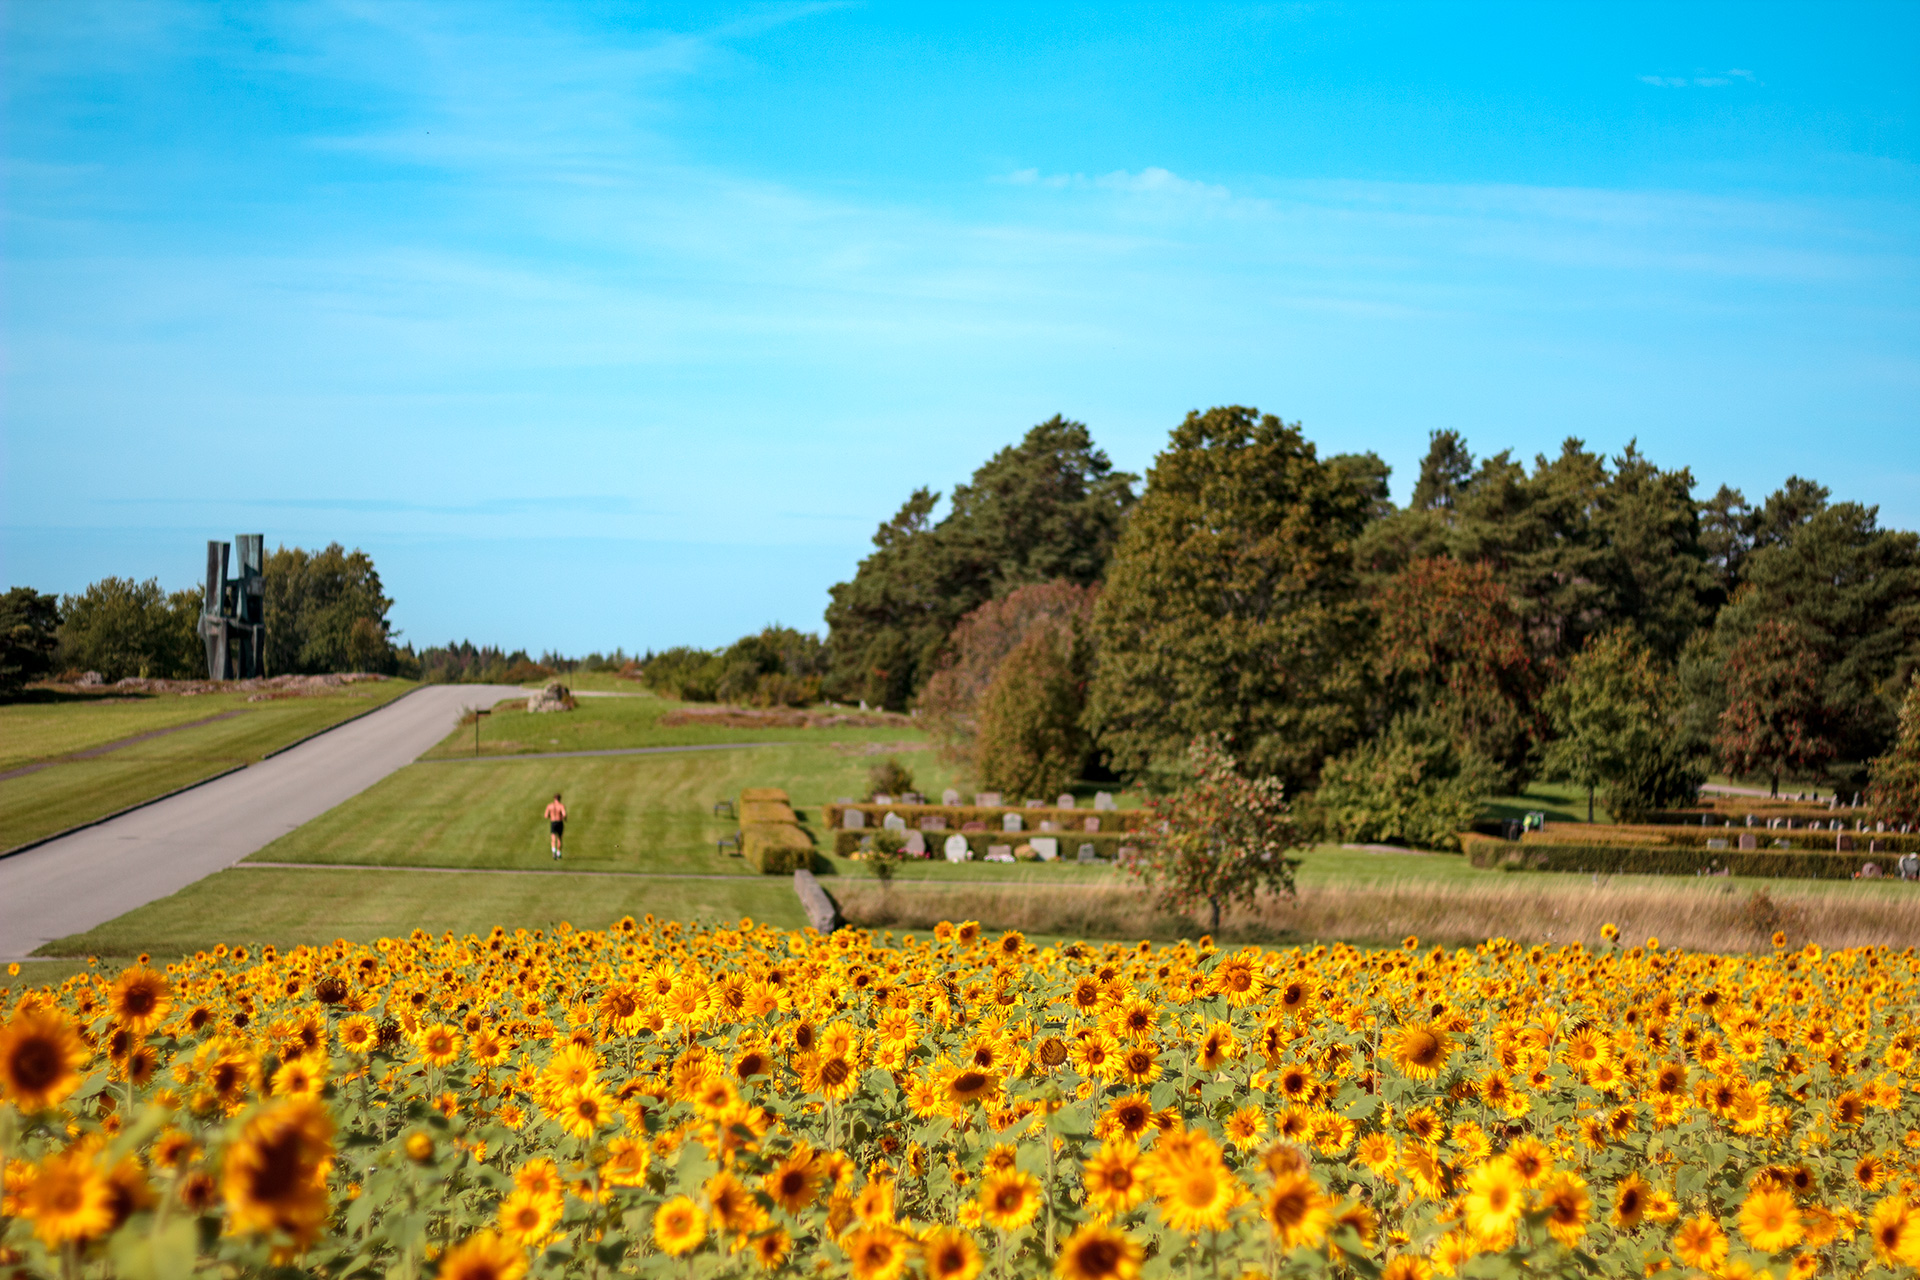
(556, 828)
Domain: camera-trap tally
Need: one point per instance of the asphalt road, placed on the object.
(72, 884)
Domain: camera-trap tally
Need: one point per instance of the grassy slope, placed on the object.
(287, 907)
(607, 723)
(67, 794)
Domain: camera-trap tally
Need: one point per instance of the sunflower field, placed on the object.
(697, 1101)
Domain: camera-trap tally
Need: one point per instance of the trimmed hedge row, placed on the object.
(1105, 844)
(1667, 860)
(775, 848)
(1070, 820)
(1800, 838)
(770, 836)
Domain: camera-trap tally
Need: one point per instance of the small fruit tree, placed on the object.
(1221, 838)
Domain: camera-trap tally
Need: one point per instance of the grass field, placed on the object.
(69, 792)
(642, 826)
(288, 907)
(600, 724)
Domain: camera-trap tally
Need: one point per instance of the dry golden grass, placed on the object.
(1693, 915)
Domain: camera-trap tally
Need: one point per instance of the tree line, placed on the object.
(1581, 617)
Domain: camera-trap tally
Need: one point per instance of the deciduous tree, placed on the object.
(1049, 508)
(1613, 714)
(1231, 605)
(1774, 718)
(29, 636)
(1451, 648)
(1221, 838)
(1031, 743)
(949, 706)
(1895, 788)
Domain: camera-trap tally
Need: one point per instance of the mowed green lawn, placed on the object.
(67, 793)
(625, 720)
(294, 907)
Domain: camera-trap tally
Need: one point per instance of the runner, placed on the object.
(556, 823)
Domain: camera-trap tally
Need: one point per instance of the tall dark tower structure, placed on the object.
(233, 615)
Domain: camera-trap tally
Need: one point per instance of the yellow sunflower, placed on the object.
(1420, 1051)
(679, 1226)
(1769, 1220)
(68, 1198)
(139, 1000)
(876, 1253)
(949, 1253)
(1098, 1252)
(1296, 1211)
(275, 1174)
(527, 1218)
(1495, 1199)
(1113, 1178)
(1009, 1199)
(41, 1054)
(484, 1255)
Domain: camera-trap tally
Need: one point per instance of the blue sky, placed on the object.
(607, 324)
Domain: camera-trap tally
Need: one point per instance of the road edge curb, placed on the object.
(212, 777)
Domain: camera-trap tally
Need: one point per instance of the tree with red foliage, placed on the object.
(1452, 647)
(1775, 718)
(1221, 838)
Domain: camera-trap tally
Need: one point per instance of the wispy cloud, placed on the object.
(1701, 79)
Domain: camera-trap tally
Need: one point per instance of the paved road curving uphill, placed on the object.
(74, 883)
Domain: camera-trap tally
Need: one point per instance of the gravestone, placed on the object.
(894, 822)
(1843, 843)
(1010, 822)
(1127, 853)
(1103, 801)
(1090, 824)
(986, 799)
(957, 850)
(1048, 824)
(1870, 872)
(999, 853)
(1036, 804)
(973, 826)
(949, 797)
(1047, 847)
(1716, 844)
(916, 845)
(1064, 802)
(935, 822)
(1748, 843)
(912, 797)
(1086, 854)
(878, 798)
(853, 820)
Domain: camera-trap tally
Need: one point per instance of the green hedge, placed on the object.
(1111, 820)
(767, 811)
(775, 848)
(1668, 860)
(1105, 844)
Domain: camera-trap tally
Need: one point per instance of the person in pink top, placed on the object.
(556, 823)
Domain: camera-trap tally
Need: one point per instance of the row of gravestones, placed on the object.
(856, 820)
(957, 849)
(1102, 801)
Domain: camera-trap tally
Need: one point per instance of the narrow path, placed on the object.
(71, 884)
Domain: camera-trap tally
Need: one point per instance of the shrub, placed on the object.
(889, 778)
(29, 635)
(1667, 860)
(775, 848)
(1410, 785)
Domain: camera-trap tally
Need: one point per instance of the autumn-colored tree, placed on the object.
(1030, 742)
(1452, 650)
(949, 707)
(1220, 839)
(1775, 718)
(1895, 789)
